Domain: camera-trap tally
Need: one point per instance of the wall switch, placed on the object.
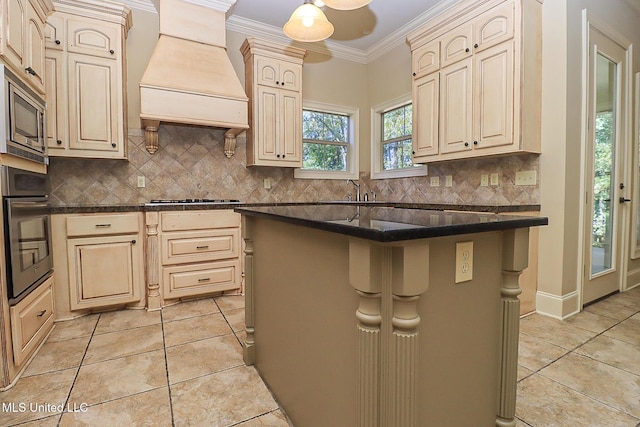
(448, 181)
(494, 179)
(484, 180)
(464, 261)
(435, 181)
(142, 182)
(267, 183)
(526, 178)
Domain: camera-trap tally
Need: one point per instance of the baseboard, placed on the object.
(558, 306)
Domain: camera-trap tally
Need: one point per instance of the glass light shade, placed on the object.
(346, 4)
(308, 24)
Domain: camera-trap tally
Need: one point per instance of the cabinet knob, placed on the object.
(413, 152)
(278, 155)
(475, 142)
(282, 83)
(476, 45)
(466, 144)
(414, 74)
(112, 51)
(277, 82)
(133, 242)
(283, 156)
(113, 144)
(466, 50)
(59, 142)
(57, 41)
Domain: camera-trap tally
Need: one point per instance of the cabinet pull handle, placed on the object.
(103, 225)
(205, 279)
(31, 71)
(41, 313)
(59, 142)
(112, 51)
(623, 200)
(202, 247)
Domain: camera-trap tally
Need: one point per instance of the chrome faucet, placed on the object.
(357, 188)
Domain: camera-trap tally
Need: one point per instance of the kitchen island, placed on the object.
(383, 316)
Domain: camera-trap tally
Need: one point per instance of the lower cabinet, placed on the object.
(31, 321)
(104, 262)
(199, 252)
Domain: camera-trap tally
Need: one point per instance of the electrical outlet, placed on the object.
(484, 180)
(435, 181)
(526, 178)
(142, 181)
(448, 181)
(464, 261)
(494, 179)
(267, 183)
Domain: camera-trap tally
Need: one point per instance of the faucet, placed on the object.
(357, 188)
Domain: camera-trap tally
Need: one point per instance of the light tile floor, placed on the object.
(183, 366)
(179, 367)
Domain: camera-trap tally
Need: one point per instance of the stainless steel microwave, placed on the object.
(23, 132)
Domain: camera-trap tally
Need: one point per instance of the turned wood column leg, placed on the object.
(154, 300)
(248, 348)
(515, 250)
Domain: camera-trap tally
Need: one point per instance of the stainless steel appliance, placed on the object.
(22, 132)
(27, 229)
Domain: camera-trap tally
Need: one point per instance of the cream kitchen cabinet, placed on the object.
(273, 82)
(99, 260)
(85, 53)
(199, 253)
(22, 39)
(474, 100)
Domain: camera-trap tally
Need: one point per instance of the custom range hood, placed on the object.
(189, 78)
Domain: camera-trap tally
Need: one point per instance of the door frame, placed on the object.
(624, 152)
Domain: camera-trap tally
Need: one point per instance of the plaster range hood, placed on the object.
(189, 78)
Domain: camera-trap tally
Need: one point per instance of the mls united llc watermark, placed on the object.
(52, 408)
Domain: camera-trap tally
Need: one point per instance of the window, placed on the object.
(391, 154)
(329, 135)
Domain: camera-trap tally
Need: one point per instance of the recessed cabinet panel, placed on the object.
(90, 37)
(493, 27)
(456, 108)
(93, 103)
(494, 96)
(267, 123)
(57, 131)
(291, 132)
(268, 72)
(426, 115)
(456, 45)
(426, 59)
(14, 45)
(290, 76)
(35, 51)
(182, 281)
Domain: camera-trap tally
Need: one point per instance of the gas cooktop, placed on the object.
(190, 201)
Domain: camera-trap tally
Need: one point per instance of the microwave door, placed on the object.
(24, 118)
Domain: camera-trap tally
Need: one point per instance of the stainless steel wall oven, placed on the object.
(27, 230)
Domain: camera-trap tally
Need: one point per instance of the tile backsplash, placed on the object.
(190, 163)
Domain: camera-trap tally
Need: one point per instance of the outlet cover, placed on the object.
(526, 178)
(464, 261)
(435, 181)
(448, 181)
(484, 180)
(142, 182)
(494, 178)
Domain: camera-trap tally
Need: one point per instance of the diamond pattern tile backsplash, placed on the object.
(190, 163)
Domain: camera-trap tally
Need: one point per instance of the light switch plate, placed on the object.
(142, 181)
(448, 181)
(464, 261)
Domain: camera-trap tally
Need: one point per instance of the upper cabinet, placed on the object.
(86, 80)
(470, 94)
(22, 39)
(273, 82)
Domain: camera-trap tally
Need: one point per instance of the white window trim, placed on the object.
(353, 170)
(376, 142)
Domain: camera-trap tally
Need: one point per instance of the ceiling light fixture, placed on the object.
(308, 24)
(346, 4)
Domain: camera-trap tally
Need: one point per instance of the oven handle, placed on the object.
(30, 205)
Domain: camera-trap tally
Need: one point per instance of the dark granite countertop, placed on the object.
(142, 207)
(390, 224)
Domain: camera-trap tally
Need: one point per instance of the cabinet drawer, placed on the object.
(188, 280)
(31, 320)
(101, 225)
(200, 246)
(181, 221)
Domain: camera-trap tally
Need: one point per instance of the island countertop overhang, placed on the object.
(391, 224)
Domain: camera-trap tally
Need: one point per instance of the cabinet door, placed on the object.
(456, 107)
(91, 37)
(55, 78)
(35, 50)
(54, 36)
(289, 128)
(93, 100)
(493, 27)
(93, 280)
(290, 76)
(267, 115)
(426, 59)
(14, 44)
(268, 72)
(426, 105)
(493, 96)
(456, 45)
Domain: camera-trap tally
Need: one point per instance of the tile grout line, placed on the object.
(166, 368)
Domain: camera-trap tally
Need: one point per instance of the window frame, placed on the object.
(377, 171)
(353, 151)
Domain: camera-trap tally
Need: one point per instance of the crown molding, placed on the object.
(145, 5)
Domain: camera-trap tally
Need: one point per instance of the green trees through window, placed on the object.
(326, 142)
(396, 138)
